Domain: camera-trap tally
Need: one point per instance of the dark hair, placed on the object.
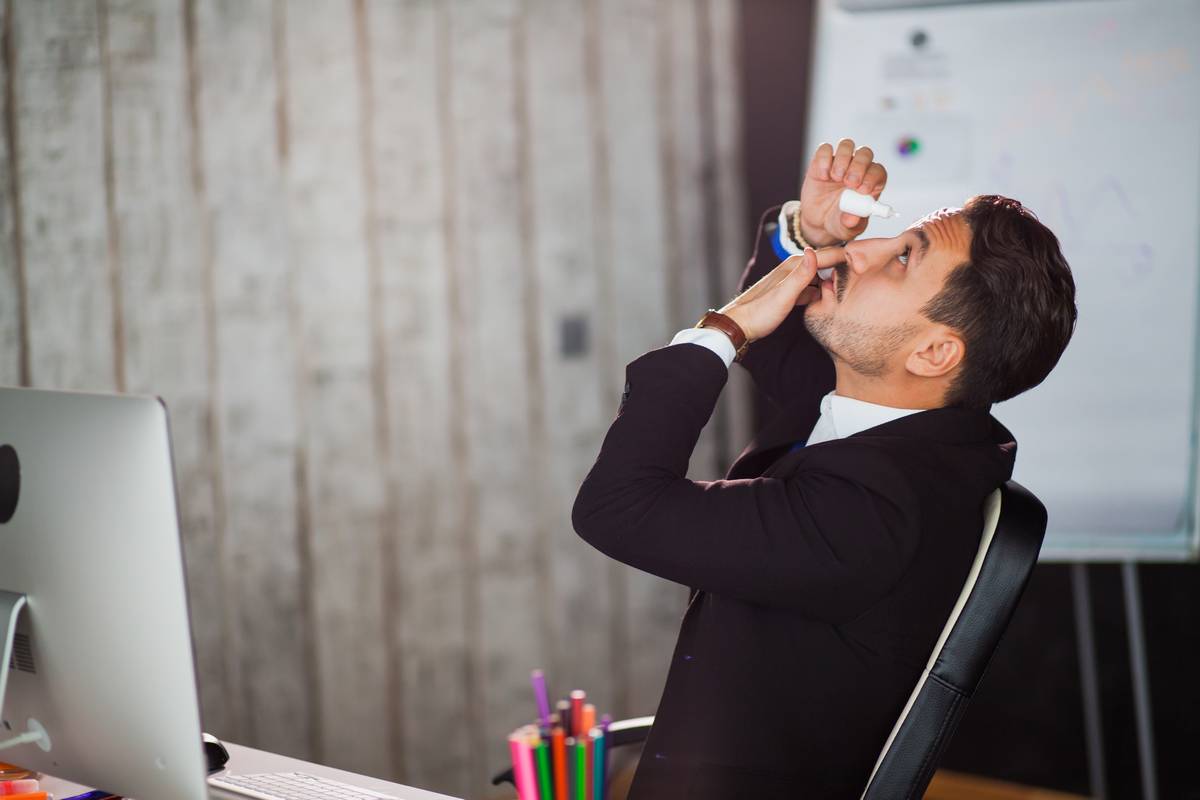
(1013, 303)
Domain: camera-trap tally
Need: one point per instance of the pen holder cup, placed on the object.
(626, 738)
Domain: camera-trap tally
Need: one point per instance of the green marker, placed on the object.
(581, 780)
(543, 769)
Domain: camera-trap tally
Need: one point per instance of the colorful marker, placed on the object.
(564, 716)
(599, 762)
(543, 770)
(538, 679)
(581, 773)
(591, 765)
(558, 745)
(571, 768)
(578, 696)
(589, 718)
(531, 743)
(517, 746)
(605, 721)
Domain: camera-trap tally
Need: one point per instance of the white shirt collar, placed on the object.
(845, 416)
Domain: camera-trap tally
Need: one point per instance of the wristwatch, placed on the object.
(715, 319)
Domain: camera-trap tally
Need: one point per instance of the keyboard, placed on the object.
(293, 786)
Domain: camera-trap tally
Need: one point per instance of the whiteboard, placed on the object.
(1088, 112)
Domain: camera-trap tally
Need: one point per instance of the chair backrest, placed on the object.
(1014, 524)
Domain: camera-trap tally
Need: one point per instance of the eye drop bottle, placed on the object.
(863, 205)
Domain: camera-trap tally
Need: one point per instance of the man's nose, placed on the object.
(859, 259)
(863, 258)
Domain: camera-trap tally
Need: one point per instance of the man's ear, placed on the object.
(937, 353)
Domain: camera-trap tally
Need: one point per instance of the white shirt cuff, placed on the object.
(711, 338)
(781, 232)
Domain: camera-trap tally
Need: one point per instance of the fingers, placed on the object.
(821, 161)
(794, 267)
(769, 281)
(806, 266)
(802, 268)
(814, 260)
(841, 159)
(874, 180)
(857, 167)
(811, 294)
(797, 282)
(850, 222)
(827, 257)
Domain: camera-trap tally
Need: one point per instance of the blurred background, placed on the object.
(386, 260)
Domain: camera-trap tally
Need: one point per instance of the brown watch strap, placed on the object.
(715, 319)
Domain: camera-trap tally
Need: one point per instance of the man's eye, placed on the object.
(903, 257)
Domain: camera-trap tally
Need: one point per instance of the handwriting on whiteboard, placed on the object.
(1101, 212)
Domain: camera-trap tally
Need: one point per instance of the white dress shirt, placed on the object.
(840, 416)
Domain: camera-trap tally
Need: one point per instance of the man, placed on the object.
(825, 564)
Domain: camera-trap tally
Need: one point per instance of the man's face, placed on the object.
(870, 309)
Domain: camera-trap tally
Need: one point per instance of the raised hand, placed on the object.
(829, 172)
(760, 309)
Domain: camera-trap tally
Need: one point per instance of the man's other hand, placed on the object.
(829, 172)
(760, 309)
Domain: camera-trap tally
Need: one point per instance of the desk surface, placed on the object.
(247, 759)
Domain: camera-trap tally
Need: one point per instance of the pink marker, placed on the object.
(516, 746)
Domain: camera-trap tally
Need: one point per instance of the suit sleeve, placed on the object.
(787, 364)
(830, 541)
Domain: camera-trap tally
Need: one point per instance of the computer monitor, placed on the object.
(103, 657)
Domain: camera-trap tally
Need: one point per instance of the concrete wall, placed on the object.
(386, 262)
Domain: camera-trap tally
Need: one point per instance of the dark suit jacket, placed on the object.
(821, 578)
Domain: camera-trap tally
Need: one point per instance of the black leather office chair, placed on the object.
(1014, 525)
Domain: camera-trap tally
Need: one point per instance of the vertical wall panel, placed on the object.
(719, 63)
(640, 317)
(499, 376)
(269, 658)
(60, 126)
(11, 270)
(577, 412)
(162, 271)
(429, 652)
(686, 169)
(342, 495)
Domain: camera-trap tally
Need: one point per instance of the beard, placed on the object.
(863, 347)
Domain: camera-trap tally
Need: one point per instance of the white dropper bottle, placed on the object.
(863, 205)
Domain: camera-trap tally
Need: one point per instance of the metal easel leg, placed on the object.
(1140, 678)
(1089, 681)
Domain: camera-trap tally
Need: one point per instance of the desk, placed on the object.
(247, 759)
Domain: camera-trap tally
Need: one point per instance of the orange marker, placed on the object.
(589, 718)
(558, 750)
